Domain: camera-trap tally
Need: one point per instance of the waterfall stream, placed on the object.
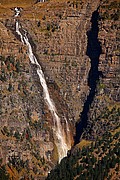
(58, 131)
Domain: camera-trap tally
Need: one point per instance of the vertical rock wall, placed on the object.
(105, 109)
(58, 32)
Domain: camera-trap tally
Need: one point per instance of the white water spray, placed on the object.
(17, 12)
(58, 131)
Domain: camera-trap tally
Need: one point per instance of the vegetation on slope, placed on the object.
(98, 161)
(3, 174)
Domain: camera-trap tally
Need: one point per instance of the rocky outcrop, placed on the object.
(61, 43)
(93, 52)
(105, 109)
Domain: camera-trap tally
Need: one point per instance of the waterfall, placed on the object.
(17, 12)
(58, 132)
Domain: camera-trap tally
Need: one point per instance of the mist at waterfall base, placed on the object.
(62, 140)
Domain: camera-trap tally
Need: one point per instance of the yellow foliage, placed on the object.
(83, 143)
(13, 173)
(116, 130)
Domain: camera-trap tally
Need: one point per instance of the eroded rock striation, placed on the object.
(76, 44)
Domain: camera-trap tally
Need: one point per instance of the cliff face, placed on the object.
(98, 127)
(60, 36)
(12, 3)
(22, 119)
(105, 109)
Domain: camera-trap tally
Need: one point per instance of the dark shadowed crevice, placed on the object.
(93, 51)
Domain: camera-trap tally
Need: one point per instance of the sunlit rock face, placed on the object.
(19, 3)
(58, 34)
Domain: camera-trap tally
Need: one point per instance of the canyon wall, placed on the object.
(59, 34)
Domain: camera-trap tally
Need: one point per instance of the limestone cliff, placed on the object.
(61, 36)
(105, 108)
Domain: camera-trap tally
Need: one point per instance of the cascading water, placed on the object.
(58, 131)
